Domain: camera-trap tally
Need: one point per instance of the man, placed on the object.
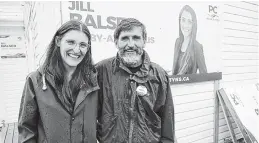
(135, 96)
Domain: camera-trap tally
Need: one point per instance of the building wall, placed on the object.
(25, 20)
(240, 43)
(239, 47)
(12, 70)
(12, 73)
(195, 102)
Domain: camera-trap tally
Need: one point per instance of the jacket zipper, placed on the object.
(133, 86)
(70, 134)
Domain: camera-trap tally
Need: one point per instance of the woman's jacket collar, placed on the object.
(50, 78)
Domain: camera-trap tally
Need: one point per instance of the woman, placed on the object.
(59, 102)
(188, 53)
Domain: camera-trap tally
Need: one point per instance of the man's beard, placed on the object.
(131, 60)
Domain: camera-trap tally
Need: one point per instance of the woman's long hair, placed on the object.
(53, 63)
(190, 48)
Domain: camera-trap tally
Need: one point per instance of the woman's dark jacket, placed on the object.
(44, 119)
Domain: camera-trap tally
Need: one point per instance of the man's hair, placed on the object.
(127, 25)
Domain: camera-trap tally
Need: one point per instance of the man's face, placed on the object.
(130, 45)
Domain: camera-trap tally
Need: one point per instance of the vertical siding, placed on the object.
(239, 49)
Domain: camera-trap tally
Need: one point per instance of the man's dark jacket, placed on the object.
(129, 114)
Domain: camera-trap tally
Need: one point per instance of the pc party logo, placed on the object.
(213, 13)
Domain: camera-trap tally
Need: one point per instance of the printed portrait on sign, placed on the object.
(196, 48)
(188, 52)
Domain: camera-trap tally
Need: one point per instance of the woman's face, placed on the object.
(186, 23)
(73, 47)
